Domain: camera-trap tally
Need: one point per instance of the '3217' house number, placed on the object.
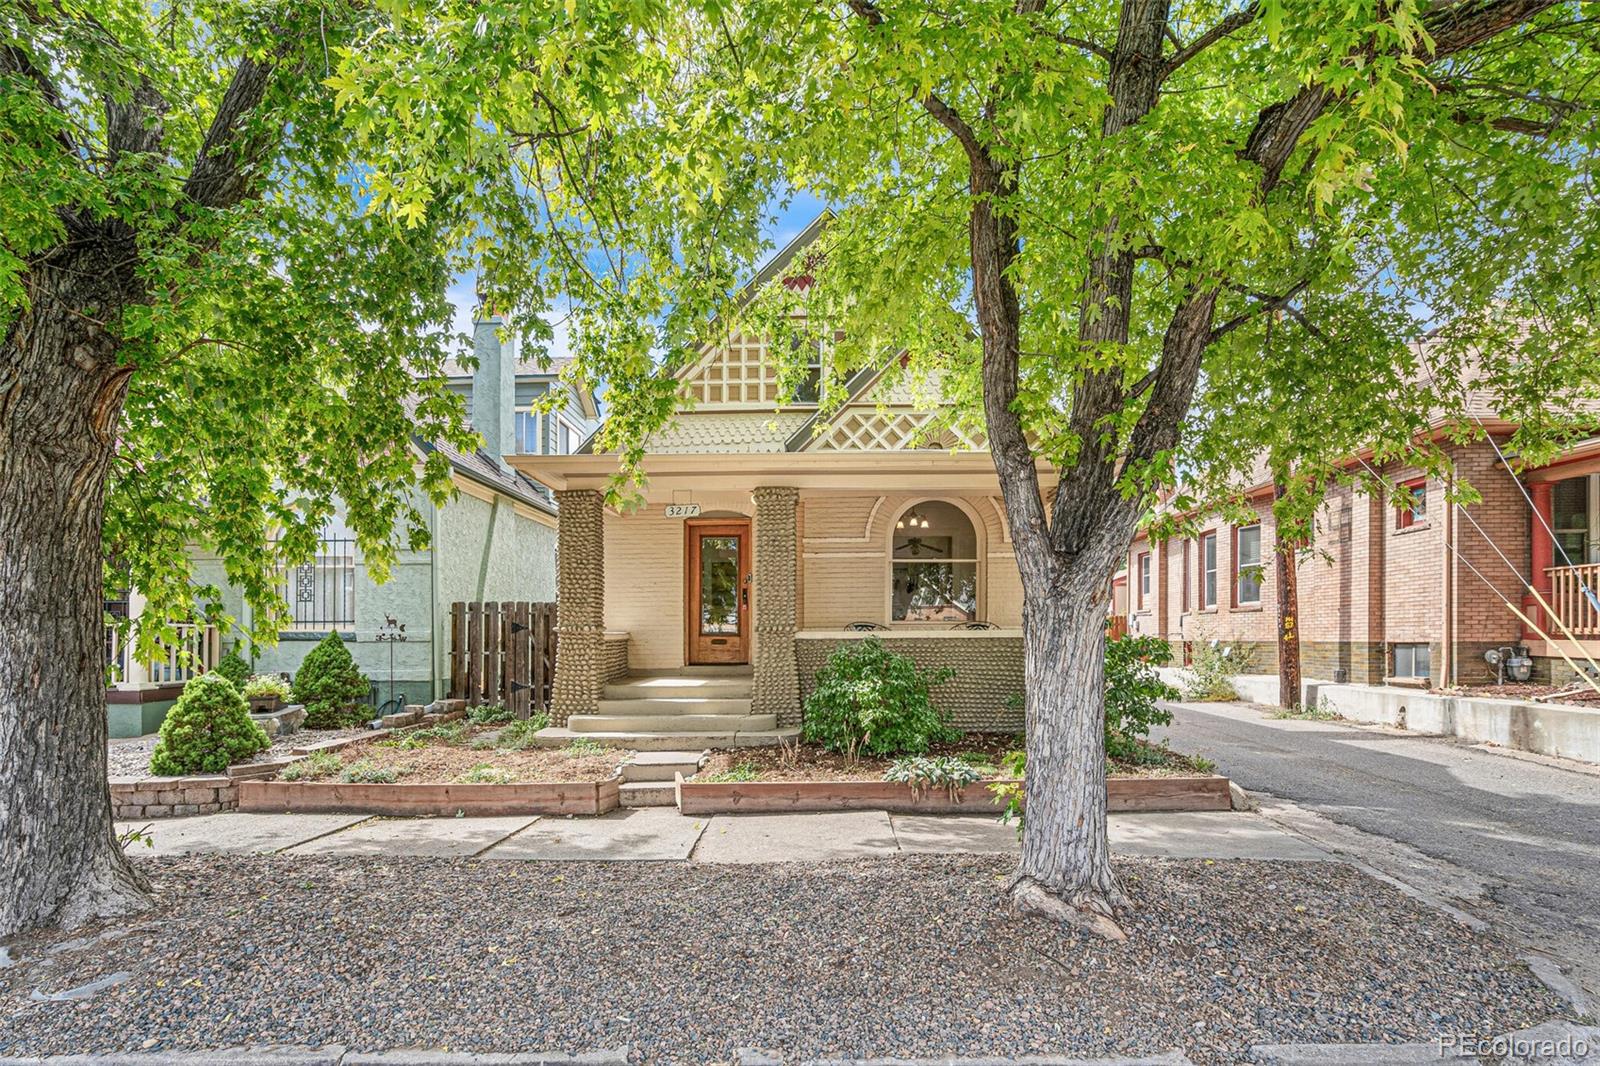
(683, 510)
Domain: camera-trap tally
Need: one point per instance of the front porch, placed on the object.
(701, 615)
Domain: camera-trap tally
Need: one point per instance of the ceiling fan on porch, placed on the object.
(918, 545)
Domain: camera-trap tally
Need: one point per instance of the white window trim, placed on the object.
(1238, 566)
(1213, 570)
(979, 609)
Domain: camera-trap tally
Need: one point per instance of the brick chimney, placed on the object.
(494, 387)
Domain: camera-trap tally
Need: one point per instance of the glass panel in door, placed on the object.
(719, 584)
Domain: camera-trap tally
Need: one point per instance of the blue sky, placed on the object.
(790, 221)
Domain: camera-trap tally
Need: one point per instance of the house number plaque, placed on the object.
(683, 510)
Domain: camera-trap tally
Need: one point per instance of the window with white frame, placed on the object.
(1412, 660)
(1208, 571)
(1247, 565)
(530, 433)
(1144, 578)
(934, 565)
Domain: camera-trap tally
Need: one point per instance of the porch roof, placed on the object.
(868, 469)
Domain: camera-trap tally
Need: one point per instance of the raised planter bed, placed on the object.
(401, 799)
(1124, 794)
(171, 797)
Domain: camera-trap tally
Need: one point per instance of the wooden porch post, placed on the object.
(580, 603)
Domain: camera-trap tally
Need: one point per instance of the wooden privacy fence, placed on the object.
(503, 653)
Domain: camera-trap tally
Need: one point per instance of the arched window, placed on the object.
(934, 565)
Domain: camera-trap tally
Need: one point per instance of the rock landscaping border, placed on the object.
(418, 800)
(1124, 795)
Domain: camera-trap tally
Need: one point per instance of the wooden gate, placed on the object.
(503, 653)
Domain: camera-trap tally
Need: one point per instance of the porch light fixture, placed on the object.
(912, 520)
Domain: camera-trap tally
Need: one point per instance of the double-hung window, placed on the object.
(1411, 504)
(1247, 566)
(1208, 571)
(1144, 578)
(321, 591)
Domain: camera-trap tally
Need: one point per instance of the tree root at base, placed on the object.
(1088, 910)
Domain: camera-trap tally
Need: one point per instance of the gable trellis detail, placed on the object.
(738, 373)
(869, 429)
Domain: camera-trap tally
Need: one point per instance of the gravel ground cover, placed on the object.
(131, 758)
(683, 963)
(986, 751)
(449, 755)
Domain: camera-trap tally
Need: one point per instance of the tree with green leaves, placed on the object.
(1080, 220)
(209, 340)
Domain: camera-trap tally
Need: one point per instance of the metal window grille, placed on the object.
(321, 593)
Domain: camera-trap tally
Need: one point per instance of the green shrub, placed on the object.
(208, 730)
(490, 714)
(869, 700)
(1212, 668)
(314, 767)
(263, 685)
(329, 684)
(923, 774)
(233, 667)
(518, 736)
(584, 746)
(447, 735)
(1132, 689)
(367, 772)
(484, 774)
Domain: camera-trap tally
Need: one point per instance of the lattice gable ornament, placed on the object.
(735, 374)
(872, 428)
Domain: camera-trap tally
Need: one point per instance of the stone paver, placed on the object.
(641, 833)
(232, 833)
(736, 838)
(443, 838)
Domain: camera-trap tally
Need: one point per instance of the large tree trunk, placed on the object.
(61, 397)
(1065, 869)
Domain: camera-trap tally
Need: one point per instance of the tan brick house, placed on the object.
(769, 535)
(1389, 592)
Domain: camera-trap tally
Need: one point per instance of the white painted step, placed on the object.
(648, 794)
(675, 705)
(662, 765)
(670, 723)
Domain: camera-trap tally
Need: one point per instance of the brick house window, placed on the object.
(1411, 504)
(1208, 571)
(1412, 660)
(1144, 578)
(1186, 546)
(1247, 565)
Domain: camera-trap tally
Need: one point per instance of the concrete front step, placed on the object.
(679, 686)
(674, 705)
(657, 766)
(560, 737)
(670, 723)
(648, 794)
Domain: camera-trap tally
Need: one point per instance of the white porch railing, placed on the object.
(1568, 601)
(196, 650)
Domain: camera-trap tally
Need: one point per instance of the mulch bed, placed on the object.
(812, 763)
(442, 762)
(131, 758)
(684, 963)
(1584, 697)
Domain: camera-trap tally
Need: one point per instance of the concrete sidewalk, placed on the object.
(662, 834)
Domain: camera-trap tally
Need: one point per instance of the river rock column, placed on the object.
(580, 603)
(777, 679)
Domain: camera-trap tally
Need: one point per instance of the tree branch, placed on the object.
(222, 168)
(1268, 303)
(1236, 21)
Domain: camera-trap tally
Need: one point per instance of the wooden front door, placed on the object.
(718, 590)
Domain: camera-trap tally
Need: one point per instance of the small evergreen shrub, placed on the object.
(1132, 689)
(263, 686)
(1213, 667)
(314, 767)
(233, 667)
(208, 730)
(329, 685)
(872, 701)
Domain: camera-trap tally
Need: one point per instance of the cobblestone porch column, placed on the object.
(777, 679)
(580, 603)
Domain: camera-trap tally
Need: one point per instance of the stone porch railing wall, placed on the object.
(983, 696)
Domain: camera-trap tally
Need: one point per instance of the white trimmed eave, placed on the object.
(882, 471)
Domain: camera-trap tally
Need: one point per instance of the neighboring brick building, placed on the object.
(1388, 591)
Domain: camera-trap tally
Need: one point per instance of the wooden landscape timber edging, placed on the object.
(443, 799)
(1124, 795)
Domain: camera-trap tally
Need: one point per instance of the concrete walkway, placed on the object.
(661, 834)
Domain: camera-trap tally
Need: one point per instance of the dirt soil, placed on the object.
(986, 751)
(1583, 697)
(443, 762)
